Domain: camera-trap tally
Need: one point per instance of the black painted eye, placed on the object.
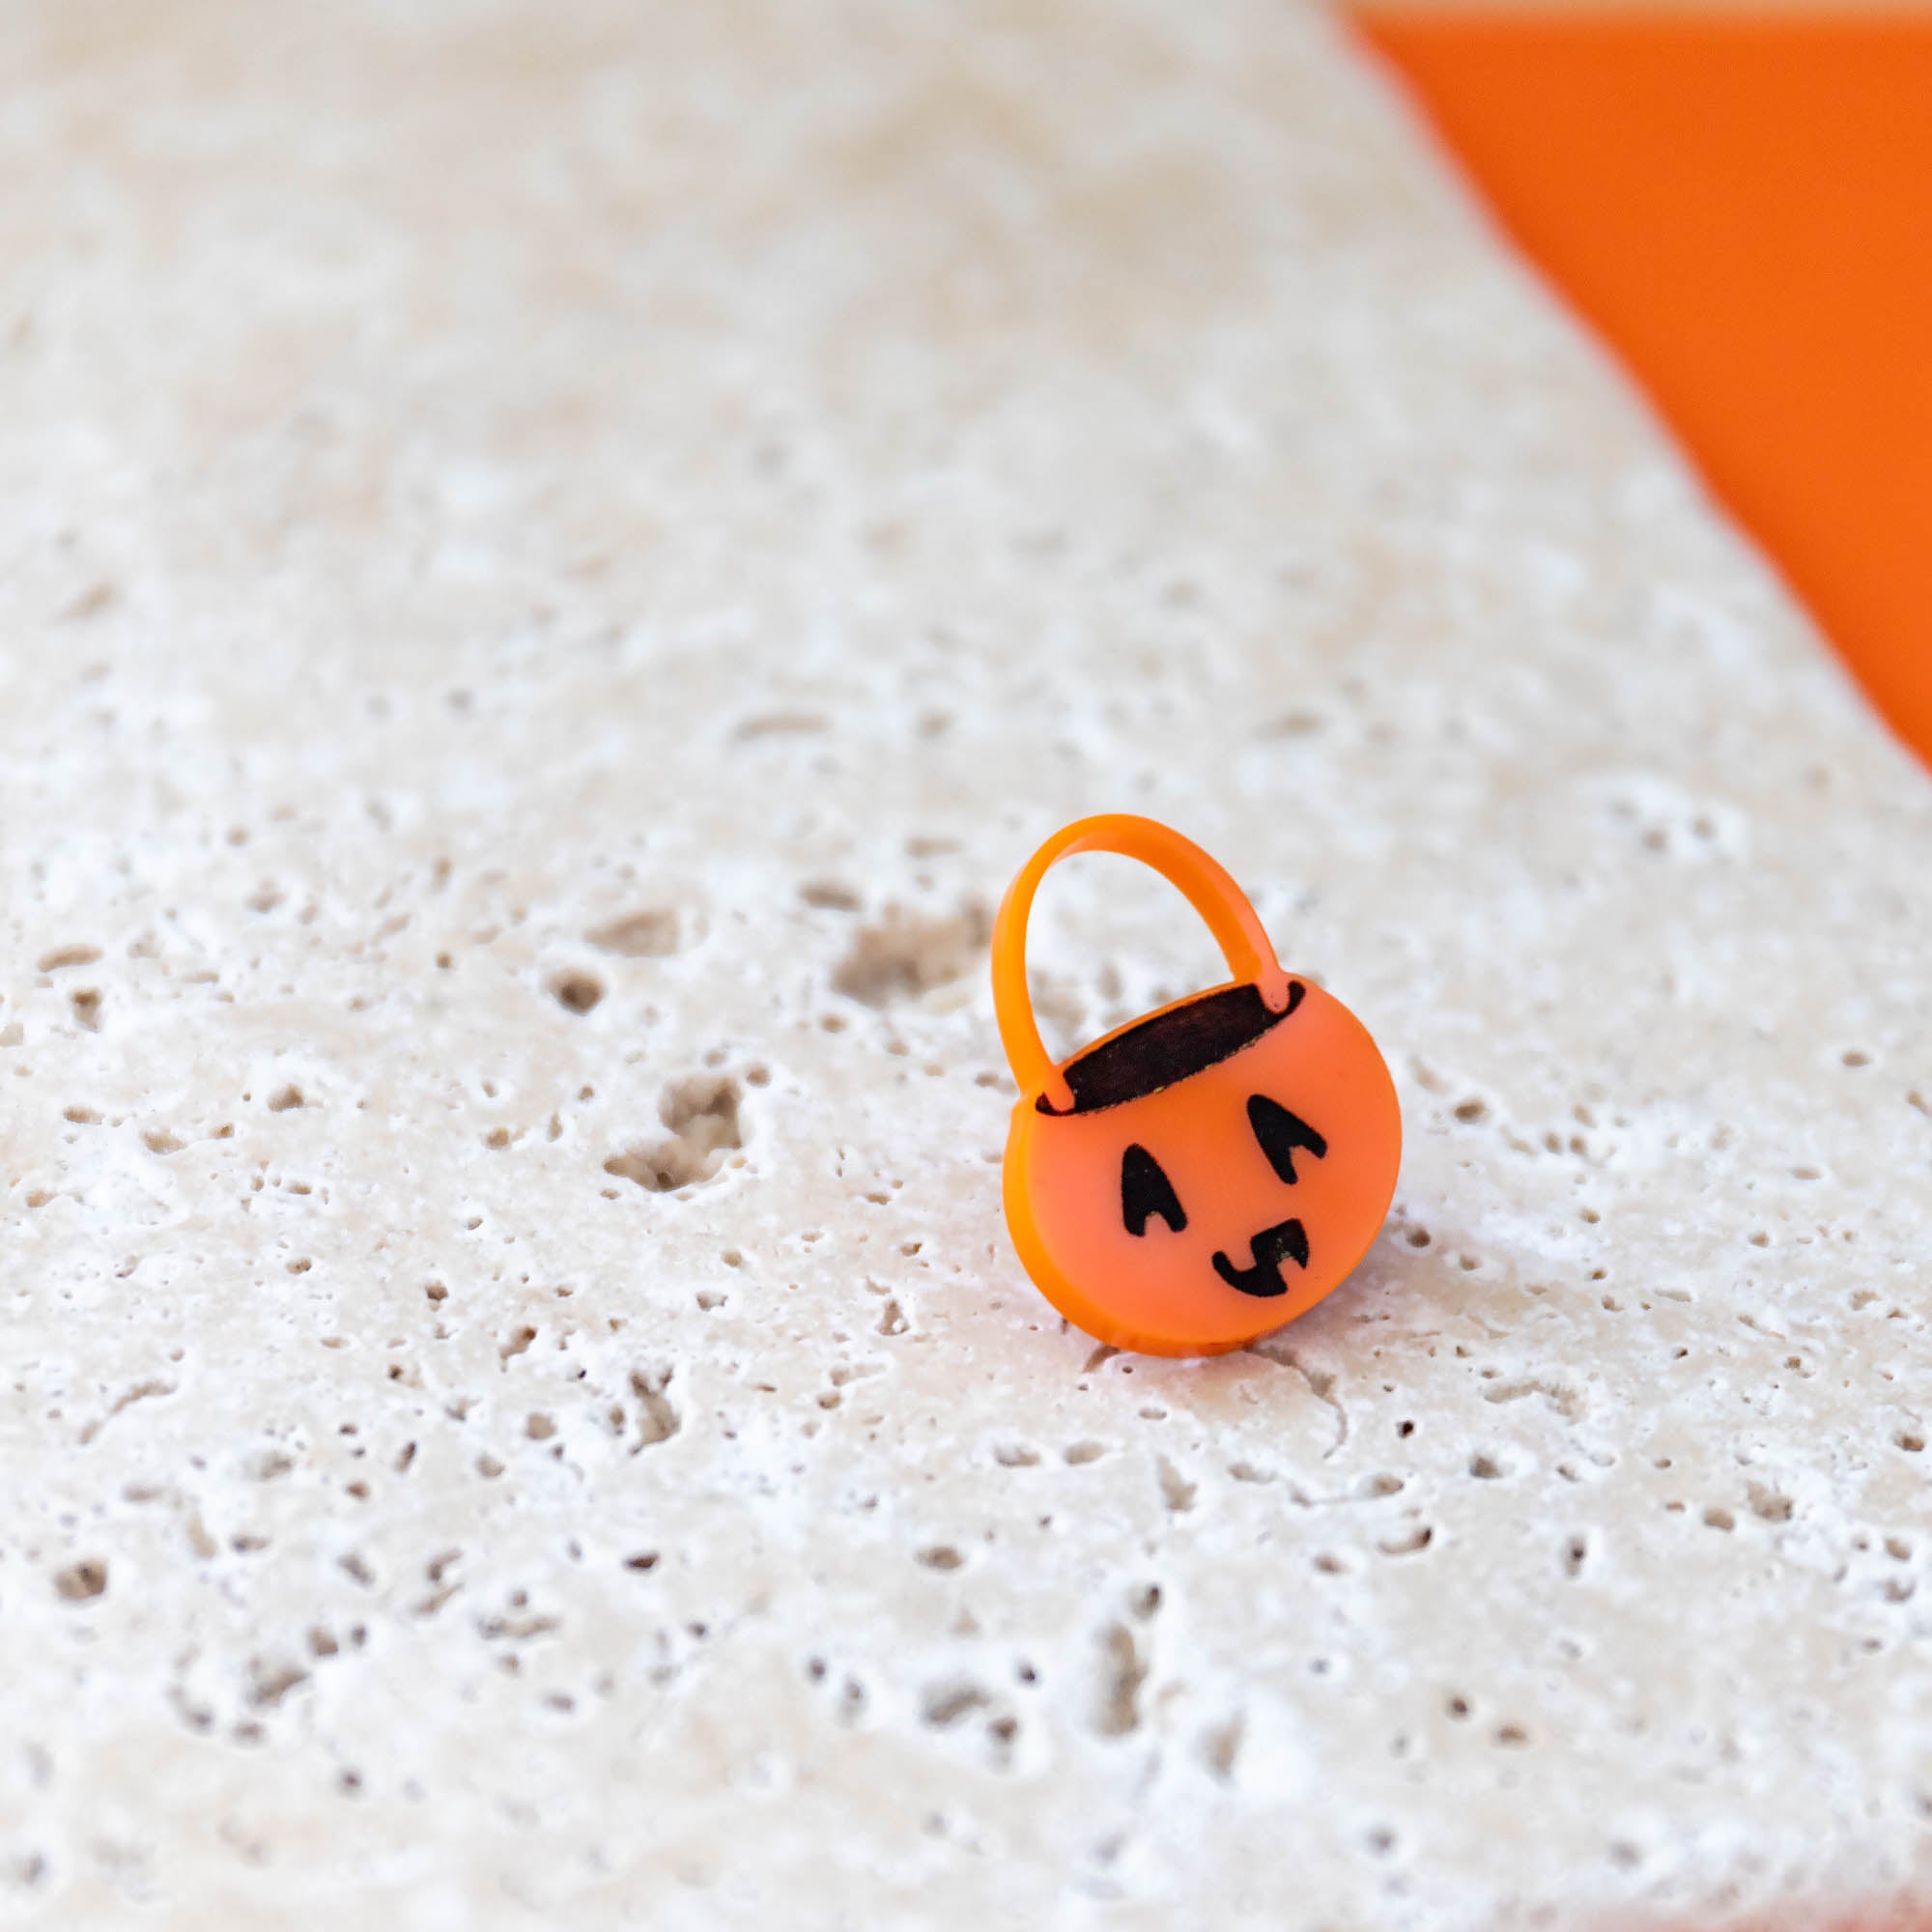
(1147, 1191)
(1282, 1135)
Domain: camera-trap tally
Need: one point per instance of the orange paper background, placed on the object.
(1742, 205)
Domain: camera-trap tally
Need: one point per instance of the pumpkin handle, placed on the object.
(1208, 888)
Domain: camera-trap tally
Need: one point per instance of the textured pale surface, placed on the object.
(470, 477)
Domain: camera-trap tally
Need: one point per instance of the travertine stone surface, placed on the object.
(553, 562)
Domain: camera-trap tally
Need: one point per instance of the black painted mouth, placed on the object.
(1286, 1240)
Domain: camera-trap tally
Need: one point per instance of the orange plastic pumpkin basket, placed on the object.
(1212, 1170)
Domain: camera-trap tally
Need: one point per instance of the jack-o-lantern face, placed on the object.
(1210, 1170)
(1222, 1169)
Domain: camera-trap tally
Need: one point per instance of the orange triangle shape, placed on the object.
(1742, 205)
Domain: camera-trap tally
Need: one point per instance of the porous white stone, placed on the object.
(553, 562)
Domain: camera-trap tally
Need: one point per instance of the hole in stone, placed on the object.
(81, 1581)
(902, 956)
(829, 896)
(658, 1421)
(648, 934)
(701, 1115)
(286, 1097)
(270, 1683)
(1413, 1544)
(1123, 1674)
(1222, 1745)
(577, 991)
(1176, 1491)
(67, 956)
(946, 1704)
